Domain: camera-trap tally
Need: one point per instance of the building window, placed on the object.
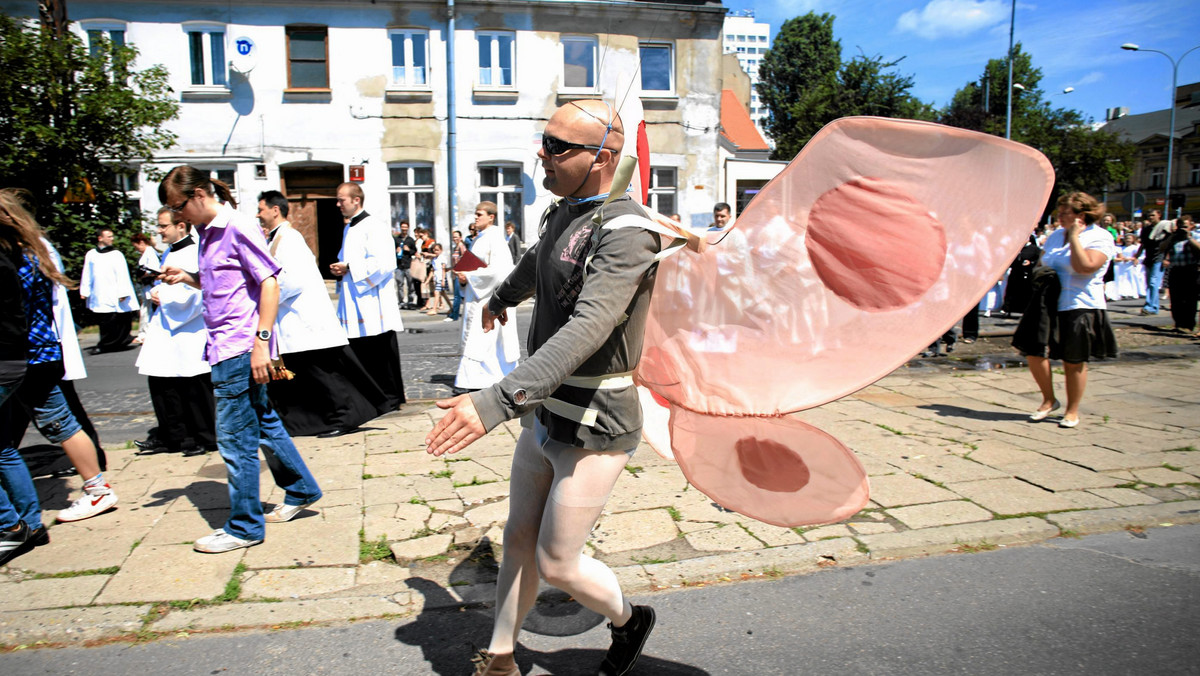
(1156, 177)
(496, 58)
(411, 188)
(658, 68)
(410, 57)
(579, 62)
(206, 48)
(662, 190)
(308, 57)
(1194, 176)
(98, 35)
(502, 184)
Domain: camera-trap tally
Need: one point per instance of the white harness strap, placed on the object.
(581, 415)
(613, 381)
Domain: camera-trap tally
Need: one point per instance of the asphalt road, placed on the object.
(1120, 603)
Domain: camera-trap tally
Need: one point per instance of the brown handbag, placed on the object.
(417, 269)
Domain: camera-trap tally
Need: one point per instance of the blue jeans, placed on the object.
(458, 300)
(245, 422)
(1153, 284)
(18, 497)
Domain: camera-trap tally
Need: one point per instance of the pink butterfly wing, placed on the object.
(869, 245)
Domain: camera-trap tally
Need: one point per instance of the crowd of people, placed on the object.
(238, 315)
(1087, 258)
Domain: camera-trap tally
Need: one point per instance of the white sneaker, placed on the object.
(220, 541)
(93, 501)
(283, 512)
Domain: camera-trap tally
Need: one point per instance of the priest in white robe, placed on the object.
(368, 307)
(330, 393)
(486, 357)
(108, 290)
(172, 356)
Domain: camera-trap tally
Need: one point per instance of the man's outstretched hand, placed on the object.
(488, 320)
(459, 428)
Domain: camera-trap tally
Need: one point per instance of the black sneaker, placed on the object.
(627, 642)
(13, 543)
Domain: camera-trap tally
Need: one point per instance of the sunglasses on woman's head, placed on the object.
(557, 146)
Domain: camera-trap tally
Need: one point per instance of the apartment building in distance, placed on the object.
(749, 40)
(1149, 131)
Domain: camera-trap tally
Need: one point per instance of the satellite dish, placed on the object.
(245, 55)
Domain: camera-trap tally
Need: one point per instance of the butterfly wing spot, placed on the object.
(874, 245)
(770, 465)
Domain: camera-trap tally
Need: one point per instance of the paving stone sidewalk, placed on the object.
(953, 462)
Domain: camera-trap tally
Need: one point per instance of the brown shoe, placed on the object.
(489, 664)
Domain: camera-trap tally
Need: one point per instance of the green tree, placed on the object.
(801, 63)
(71, 120)
(805, 85)
(1083, 158)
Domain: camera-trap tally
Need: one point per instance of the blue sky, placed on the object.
(946, 43)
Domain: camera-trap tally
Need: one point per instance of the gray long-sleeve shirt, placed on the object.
(583, 324)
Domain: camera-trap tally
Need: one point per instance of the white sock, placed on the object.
(96, 484)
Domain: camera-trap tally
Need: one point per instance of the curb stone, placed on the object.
(942, 539)
(285, 612)
(1121, 518)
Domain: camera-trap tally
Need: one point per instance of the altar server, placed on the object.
(172, 356)
(330, 393)
(108, 290)
(367, 304)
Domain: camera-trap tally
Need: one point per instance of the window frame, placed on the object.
(208, 66)
(1156, 177)
(494, 53)
(657, 44)
(408, 85)
(105, 26)
(412, 189)
(518, 188)
(594, 42)
(289, 30)
(654, 190)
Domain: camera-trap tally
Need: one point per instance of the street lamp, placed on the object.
(1068, 90)
(1012, 28)
(1130, 47)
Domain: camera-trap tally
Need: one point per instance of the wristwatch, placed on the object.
(264, 334)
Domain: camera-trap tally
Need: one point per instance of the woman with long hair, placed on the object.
(1079, 252)
(39, 393)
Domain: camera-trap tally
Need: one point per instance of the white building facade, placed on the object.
(750, 40)
(300, 96)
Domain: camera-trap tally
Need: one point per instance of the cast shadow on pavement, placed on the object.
(449, 631)
(947, 411)
(209, 498)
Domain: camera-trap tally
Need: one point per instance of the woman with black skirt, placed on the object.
(1079, 252)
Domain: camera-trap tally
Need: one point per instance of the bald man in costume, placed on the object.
(574, 394)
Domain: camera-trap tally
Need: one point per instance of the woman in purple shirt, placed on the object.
(237, 278)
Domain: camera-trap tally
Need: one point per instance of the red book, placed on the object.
(468, 262)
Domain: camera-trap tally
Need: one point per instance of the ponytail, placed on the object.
(186, 180)
(222, 190)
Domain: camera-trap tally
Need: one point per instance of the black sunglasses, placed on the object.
(179, 208)
(557, 146)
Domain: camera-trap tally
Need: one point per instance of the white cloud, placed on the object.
(952, 18)
(1091, 78)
